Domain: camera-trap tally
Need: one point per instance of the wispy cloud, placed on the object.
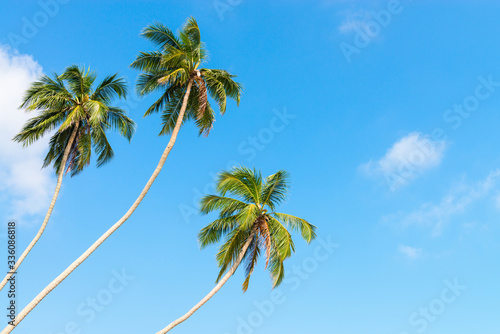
(455, 202)
(25, 188)
(409, 252)
(408, 158)
(355, 21)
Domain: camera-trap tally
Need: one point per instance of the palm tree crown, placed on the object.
(175, 66)
(249, 213)
(69, 104)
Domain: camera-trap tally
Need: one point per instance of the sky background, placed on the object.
(385, 113)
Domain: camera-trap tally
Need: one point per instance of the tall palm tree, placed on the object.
(81, 115)
(250, 224)
(175, 70)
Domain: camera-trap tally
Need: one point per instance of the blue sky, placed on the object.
(384, 112)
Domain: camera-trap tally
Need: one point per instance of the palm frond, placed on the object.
(159, 34)
(40, 125)
(79, 80)
(226, 205)
(101, 145)
(281, 240)
(57, 145)
(206, 122)
(46, 93)
(306, 229)
(275, 189)
(242, 182)
(192, 30)
(230, 250)
(252, 255)
(220, 85)
(118, 120)
(111, 87)
(150, 62)
(276, 269)
(214, 231)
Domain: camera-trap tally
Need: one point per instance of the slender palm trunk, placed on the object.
(113, 228)
(214, 290)
(49, 212)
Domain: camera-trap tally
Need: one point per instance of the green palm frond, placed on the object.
(251, 258)
(226, 205)
(57, 144)
(215, 230)
(206, 121)
(38, 126)
(147, 83)
(79, 80)
(275, 190)
(82, 153)
(110, 88)
(171, 112)
(192, 30)
(276, 269)
(117, 119)
(229, 251)
(282, 241)
(220, 85)
(151, 62)
(242, 182)
(306, 229)
(161, 35)
(101, 145)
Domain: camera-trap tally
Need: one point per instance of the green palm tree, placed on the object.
(250, 225)
(175, 71)
(81, 115)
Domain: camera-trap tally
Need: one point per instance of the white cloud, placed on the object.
(355, 22)
(411, 253)
(455, 202)
(406, 160)
(25, 188)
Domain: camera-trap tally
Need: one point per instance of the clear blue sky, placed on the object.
(386, 114)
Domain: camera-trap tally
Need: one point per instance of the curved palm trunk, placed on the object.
(113, 228)
(49, 212)
(214, 290)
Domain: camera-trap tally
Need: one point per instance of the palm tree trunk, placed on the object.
(214, 290)
(113, 228)
(49, 212)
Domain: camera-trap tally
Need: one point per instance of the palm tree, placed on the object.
(81, 116)
(175, 70)
(250, 225)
